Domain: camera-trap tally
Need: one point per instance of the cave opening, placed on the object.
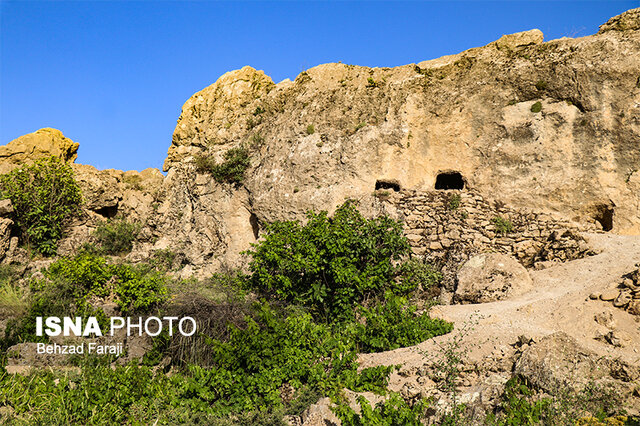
(449, 180)
(604, 216)
(388, 184)
(107, 211)
(255, 225)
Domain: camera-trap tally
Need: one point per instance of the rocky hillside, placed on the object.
(552, 126)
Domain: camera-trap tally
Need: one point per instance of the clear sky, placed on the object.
(113, 75)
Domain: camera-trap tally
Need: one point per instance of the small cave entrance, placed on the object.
(604, 216)
(388, 184)
(255, 225)
(449, 180)
(107, 211)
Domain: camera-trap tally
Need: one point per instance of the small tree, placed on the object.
(329, 264)
(45, 196)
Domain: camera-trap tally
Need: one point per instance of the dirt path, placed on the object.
(558, 302)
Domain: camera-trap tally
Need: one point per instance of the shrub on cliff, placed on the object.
(231, 170)
(45, 196)
(117, 236)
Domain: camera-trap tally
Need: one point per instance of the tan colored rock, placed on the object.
(622, 300)
(610, 295)
(40, 144)
(618, 338)
(557, 362)
(5, 236)
(606, 319)
(444, 115)
(627, 21)
(6, 207)
(491, 277)
(521, 39)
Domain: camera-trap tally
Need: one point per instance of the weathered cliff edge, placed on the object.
(468, 118)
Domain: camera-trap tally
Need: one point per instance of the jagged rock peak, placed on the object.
(45, 142)
(228, 95)
(627, 21)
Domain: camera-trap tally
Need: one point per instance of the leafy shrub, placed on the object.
(541, 85)
(454, 202)
(310, 129)
(391, 325)
(117, 236)
(70, 283)
(274, 350)
(416, 274)
(537, 107)
(231, 170)
(45, 196)
(328, 264)
(393, 411)
(503, 226)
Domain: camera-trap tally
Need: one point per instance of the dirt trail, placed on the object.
(558, 302)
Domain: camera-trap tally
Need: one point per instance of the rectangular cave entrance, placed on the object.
(388, 184)
(449, 180)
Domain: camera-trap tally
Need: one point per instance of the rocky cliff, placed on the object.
(553, 126)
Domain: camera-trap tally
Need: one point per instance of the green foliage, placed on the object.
(454, 201)
(392, 325)
(518, 407)
(537, 107)
(372, 83)
(274, 350)
(393, 411)
(45, 196)
(116, 236)
(541, 85)
(310, 129)
(259, 110)
(231, 170)
(328, 264)
(13, 299)
(416, 274)
(503, 226)
(70, 283)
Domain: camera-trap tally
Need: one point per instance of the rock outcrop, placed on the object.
(40, 144)
(490, 277)
(343, 131)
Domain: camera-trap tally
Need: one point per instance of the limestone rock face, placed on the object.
(627, 21)
(491, 277)
(43, 143)
(341, 131)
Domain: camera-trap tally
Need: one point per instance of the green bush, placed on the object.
(541, 85)
(273, 350)
(454, 202)
(394, 411)
(537, 107)
(45, 196)
(231, 170)
(328, 264)
(392, 325)
(71, 282)
(116, 236)
(503, 226)
(310, 129)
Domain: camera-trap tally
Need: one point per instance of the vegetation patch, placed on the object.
(116, 236)
(45, 197)
(537, 107)
(231, 170)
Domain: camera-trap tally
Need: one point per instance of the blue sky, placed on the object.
(113, 75)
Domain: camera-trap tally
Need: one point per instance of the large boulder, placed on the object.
(627, 21)
(559, 363)
(33, 146)
(490, 277)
